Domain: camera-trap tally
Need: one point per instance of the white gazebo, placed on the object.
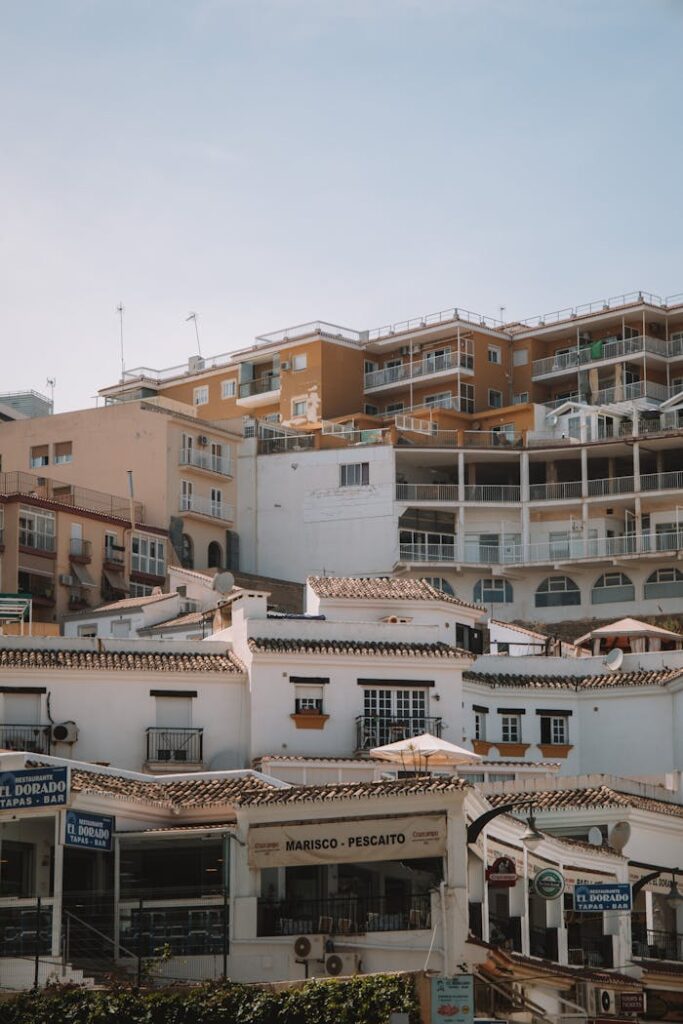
(631, 635)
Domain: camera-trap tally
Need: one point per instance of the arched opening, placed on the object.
(557, 591)
(187, 552)
(215, 555)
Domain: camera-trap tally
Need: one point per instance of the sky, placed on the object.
(270, 162)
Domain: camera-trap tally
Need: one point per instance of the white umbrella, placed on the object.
(433, 750)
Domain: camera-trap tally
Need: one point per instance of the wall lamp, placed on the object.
(674, 897)
(531, 837)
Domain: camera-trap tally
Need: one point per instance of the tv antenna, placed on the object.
(51, 381)
(120, 309)
(194, 318)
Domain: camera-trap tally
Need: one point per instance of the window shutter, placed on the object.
(545, 731)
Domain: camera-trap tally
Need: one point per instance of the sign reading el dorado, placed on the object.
(335, 841)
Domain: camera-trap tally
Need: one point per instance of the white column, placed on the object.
(460, 539)
(455, 927)
(117, 893)
(526, 945)
(58, 885)
(461, 476)
(584, 472)
(636, 466)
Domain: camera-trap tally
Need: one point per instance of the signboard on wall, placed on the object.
(453, 1000)
(89, 831)
(344, 841)
(33, 787)
(596, 898)
(548, 883)
(502, 873)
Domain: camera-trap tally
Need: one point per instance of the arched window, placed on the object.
(613, 586)
(215, 555)
(187, 552)
(664, 583)
(557, 591)
(439, 583)
(493, 591)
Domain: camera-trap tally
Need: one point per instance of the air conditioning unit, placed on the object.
(310, 947)
(286, 365)
(337, 964)
(64, 732)
(68, 581)
(202, 440)
(604, 1002)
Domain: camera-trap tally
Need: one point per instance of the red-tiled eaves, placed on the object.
(393, 649)
(382, 588)
(354, 791)
(600, 796)
(119, 661)
(186, 794)
(609, 680)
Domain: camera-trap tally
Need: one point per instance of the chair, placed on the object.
(325, 925)
(344, 925)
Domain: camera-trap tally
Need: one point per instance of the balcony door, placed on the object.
(395, 714)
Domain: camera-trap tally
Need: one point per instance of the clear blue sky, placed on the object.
(266, 162)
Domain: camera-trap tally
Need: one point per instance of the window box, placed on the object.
(481, 746)
(555, 749)
(309, 718)
(512, 749)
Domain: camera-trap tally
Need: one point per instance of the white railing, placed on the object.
(433, 319)
(417, 368)
(555, 491)
(206, 460)
(599, 306)
(491, 439)
(661, 481)
(426, 492)
(611, 485)
(548, 438)
(207, 507)
(417, 426)
(427, 553)
(596, 353)
(630, 392)
(492, 492)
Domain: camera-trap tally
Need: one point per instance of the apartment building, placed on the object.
(181, 468)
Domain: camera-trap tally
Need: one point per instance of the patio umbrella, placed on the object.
(433, 751)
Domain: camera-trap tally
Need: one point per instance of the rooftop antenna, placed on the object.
(120, 310)
(51, 381)
(193, 316)
(501, 310)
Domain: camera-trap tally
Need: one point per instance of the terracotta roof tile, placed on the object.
(600, 796)
(188, 793)
(355, 790)
(393, 649)
(125, 602)
(609, 680)
(118, 661)
(382, 588)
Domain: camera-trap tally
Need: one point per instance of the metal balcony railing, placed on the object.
(427, 552)
(630, 392)
(555, 491)
(418, 368)
(656, 944)
(260, 386)
(661, 481)
(114, 556)
(344, 915)
(426, 492)
(376, 730)
(492, 492)
(79, 548)
(70, 495)
(35, 738)
(596, 352)
(491, 439)
(285, 443)
(177, 746)
(220, 464)
(207, 507)
(590, 950)
(609, 486)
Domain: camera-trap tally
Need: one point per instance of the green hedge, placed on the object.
(360, 1000)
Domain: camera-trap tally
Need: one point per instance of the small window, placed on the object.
(495, 354)
(299, 407)
(63, 452)
(439, 583)
(370, 366)
(466, 397)
(228, 389)
(120, 628)
(40, 456)
(520, 357)
(441, 400)
(511, 728)
(370, 410)
(395, 407)
(88, 630)
(300, 361)
(664, 583)
(139, 590)
(480, 725)
(495, 399)
(493, 591)
(355, 474)
(557, 591)
(520, 399)
(200, 396)
(308, 699)
(554, 729)
(613, 587)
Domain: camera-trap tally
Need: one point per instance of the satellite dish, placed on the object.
(614, 660)
(223, 582)
(595, 836)
(619, 835)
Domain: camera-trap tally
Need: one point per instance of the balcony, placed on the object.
(80, 550)
(169, 747)
(114, 556)
(40, 588)
(596, 354)
(555, 491)
(33, 738)
(376, 730)
(37, 542)
(428, 552)
(194, 505)
(262, 391)
(630, 393)
(344, 915)
(656, 945)
(206, 461)
(276, 445)
(492, 493)
(426, 492)
(661, 481)
(30, 486)
(430, 366)
(590, 950)
(491, 439)
(611, 486)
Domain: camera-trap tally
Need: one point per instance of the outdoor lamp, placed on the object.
(674, 897)
(531, 837)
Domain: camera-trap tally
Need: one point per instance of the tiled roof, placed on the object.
(188, 793)
(393, 649)
(584, 973)
(382, 588)
(118, 661)
(609, 680)
(355, 790)
(599, 796)
(484, 763)
(126, 603)
(189, 619)
(660, 966)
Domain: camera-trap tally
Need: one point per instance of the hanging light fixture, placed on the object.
(674, 897)
(531, 837)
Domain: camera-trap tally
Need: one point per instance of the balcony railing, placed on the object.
(260, 386)
(656, 944)
(595, 353)
(427, 552)
(68, 494)
(590, 950)
(285, 443)
(206, 507)
(543, 943)
(609, 486)
(80, 549)
(555, 491)
(35, 738)
(37, 541)
(174, 746)
(492, 492)
(426, 492)
(661, 481)
(114, 555)
(344, 915)
(206, 460)
(418, 368)
(376, 730)
(630, 392)
(491, 439)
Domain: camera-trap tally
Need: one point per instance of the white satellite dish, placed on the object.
(614, 660)
(223, 582)
(619, 835)
(595, 836)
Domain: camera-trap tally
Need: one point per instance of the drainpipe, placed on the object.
(444, 929)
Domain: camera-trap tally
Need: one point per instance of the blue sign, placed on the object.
(33, 787)
(612, 896)
(453, 999)
(89, 831)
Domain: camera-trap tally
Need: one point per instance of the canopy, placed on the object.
(431, 749)
(629, 627)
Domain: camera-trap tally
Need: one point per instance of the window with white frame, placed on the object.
(299, 407)
(370, 366)
(308, 698)
(370, 410)
(521, 398)
(520, 357)
(495, 354)
(511, 727)
(395, 407)
(664, 583)
(492, 590)
(442, 399)
(495, 399)
(480, 715)
(554, 729)
(466, 397)
(216, 500)
(439, 583)
(36, 529)
(89, 629)
(63, 452)
(354, 474)
(200, 395)
(613, 587)
(139, 589)
(120, 628)
(228, 388)
(394, 714)
(40, 456)
(148, 555)
(185, 495)
(557, 591)
(300, 361)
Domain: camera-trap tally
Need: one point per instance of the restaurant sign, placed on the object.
(453, 999)
(33, 787)
(502, 874)
(89, 831)
(337, 841)
(594, 898)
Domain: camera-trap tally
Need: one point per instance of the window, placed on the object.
(439, 583)
(511, 728)
(554, 729)
(300, 361)
(493, 591)
(299, 407)
(215, 555)
(36, 529)
(228, 388)
(17, 869)
(613, 586)
(272, 417)
(88, 630)
(354, 474)
(148, 555)
(185, 495)
(390, 715)
(120, 628)
(40, 456)
(370, 366)
(495, 354)
(63, 452)
(557, 591)
(186, 552)
(664, 583)
(216, 501)
(200, 395)
(520, 357)
(480, 723)
(520, 399)
(441, 400)
(395, 407)
(466, 397)
(139, 590)
(307, 699)
(495, 398)
(370, 410)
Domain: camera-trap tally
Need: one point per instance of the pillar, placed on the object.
(636, 466)
(58, 885)
(584, 472)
